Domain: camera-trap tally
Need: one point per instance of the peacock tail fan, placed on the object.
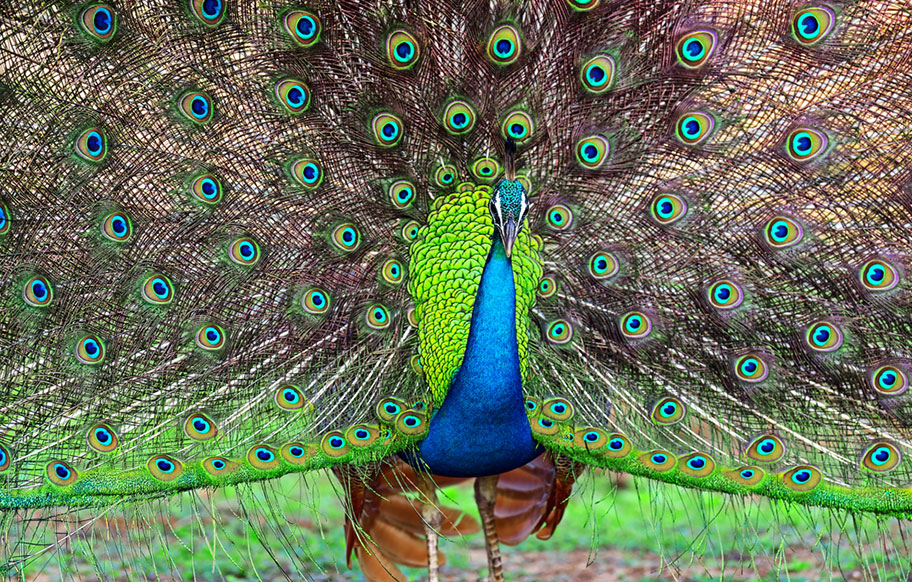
(242, 240)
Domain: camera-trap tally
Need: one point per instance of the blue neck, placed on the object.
(482, 428)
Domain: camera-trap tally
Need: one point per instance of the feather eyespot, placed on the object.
(560, 217)
(207, 189)
(591, 438)
(196, 107)
(165, 467)
(504, 45)
(290, 397)
(346, 237)
(6, 458)
(157, 290)
(402, 194)
(824, 336)
(459, 117)
(881, 457)
(725, 294)
(592, 151)
(117, 227)
(362, 435)
(38, 291)
(485, 168)
(635, 325)
(559, 332)
(389, 408)
(802, 478)
(411, 423)
(694, 49)
(410, 231)
(889, 380)
(293, 95)
(387, 129)
(694, 127)
(618, 446)
(604, 265)
(377, 317)
(697, 465)
(302, 27)
(804, 144)
(334, 444)
(411, 314)
(61, 473)
(445, 175)
(262, 457)
(244, 252)
(306, 172)
(557, 409)
(218, 466)
(878, 276)
(751, 368)
(5, 221)
(315, 301)
(597, 74)
(532, 405)
(668, 208)
(782, 232)
(392, 272)
(518, 126)
(297, 453)
(812, 25)
(583, 5)
(209, 12)
(658, 460)
(766, 448)
(547, 286)
(91, 145)
(668, 410)
(748, 476)
(102, 438)
(402, 49)
(545, 426)
(200, 427)
(90, 350)
(210, 338)
(99, 22)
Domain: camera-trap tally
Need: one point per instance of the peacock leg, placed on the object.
(433, 520)
(485, 496)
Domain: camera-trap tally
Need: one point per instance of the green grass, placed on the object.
(644, 531)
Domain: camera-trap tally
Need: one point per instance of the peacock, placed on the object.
(420, 243)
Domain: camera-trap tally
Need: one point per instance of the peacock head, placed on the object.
(509, 206)
(509, 202)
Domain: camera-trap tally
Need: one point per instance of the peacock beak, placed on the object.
(508, 232)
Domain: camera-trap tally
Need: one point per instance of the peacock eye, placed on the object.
(377, 317)
(315, 301)
(306, 172)
(99, 22)
(878, 276)
(262, 457)
(751, 368)
(293, 95)
(658, 460)
(157, 290)
(694, 127)
(725, 294)
(697, 465)
(811, 25)
(164, 467)
(61, 473)
(459, 117)
(402, 49)
(91, 145)
(559, 332)
(90, 350)
(597, 74)
(592, 151)
(196, 107)
(244, 252)
(302, 27)
(560, 217)
(518, 125)
(200, 427)
(668, 208)
(402, 193)
(210, 337)
(117, 227)
(209, 12)
(635, 325)
(881, 457)
(485, 168)
(603, 265)
(802, 478)
(547, 286)
(766, 448)
(504, 45)
(889, 380)
(207, 189)
(102, 438)
(387, 129)
(37, 291)
(782, 232)
(668, 410)
(805, 143)
(824, 336)
(445, 175)
(694, 49)
(392, 272)
(5, 221)
(346, 237)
